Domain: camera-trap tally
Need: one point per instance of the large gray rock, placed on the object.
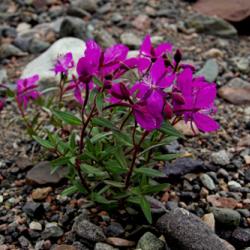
(43, 64)
(184, 230)
(211, 25)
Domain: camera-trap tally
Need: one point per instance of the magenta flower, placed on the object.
(1, 105)
(145, 118)
(100, 63)
(199, 101)
(26, 90)
(64, 63)
(147, 50)
(152, 85)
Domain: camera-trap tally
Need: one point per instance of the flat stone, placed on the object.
(183, 166)
(119, 242)
(52, 232)
(210, 70)
(9, 50)
(235, 95)
(150, 242)
(231, 10)
(222, 202)
(88, 231)
(33, 209)
(41, 174)
(64, 247)
(45, 62)
(226, 217)
(183, 230)
(88, 5)
(23, 162)
(41, 193)
(211, 25)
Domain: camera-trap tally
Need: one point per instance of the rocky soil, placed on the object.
(207, 205)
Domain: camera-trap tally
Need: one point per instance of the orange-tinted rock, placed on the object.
(231, 10)
(235, 95)
(222, 202)
(118, 242)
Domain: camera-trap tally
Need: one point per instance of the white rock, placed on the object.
(35, 226)
(43, 64)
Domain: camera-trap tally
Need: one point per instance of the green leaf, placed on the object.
(99, 102)
(99, 136)
(145, 206)
(149, 172)
(100, 199)
(63, 160)
(151, 189)
(45, 143)
(92, 170)
(169, 130)
(67, 117)
(167, 157)
(115, 183)
(103, 123)
(164, 142)
(123, 138)
(114, 167)
(97, 82)
(120, 157)
(69, 191)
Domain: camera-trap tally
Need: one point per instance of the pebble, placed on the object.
(209, 220)
(65, 247)
(234, 184)
(88, 5)
(33, 209)
(210, 70)
(150, 242)
(187, 231)
(226, 217)
(104, 38)
(88, 231)
(35, 226)
(130, 39)
(220, 158)
(41, 193)
(223, 202)
(103, 246)
(119, 242)
(114, 229)
(52, 231)
(207, 182)
(241, 237)
(9, 50)
(214, 52)
(3, 75)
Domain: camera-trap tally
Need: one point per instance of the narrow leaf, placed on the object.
(149, 172)
(67, 117)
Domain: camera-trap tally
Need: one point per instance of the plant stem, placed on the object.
(136, 150)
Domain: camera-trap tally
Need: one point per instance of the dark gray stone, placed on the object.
(73, 27)
(241, 237)
(183, 166)
(247, 175)
(88, 231)
(103, 246)
(37, 46)
(52, 232)
(184, 230)
(150, 242)
(33, 209)
(9, 50)
(114, 229)
(226, 217)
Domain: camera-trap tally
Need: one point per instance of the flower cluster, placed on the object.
(164, 87)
